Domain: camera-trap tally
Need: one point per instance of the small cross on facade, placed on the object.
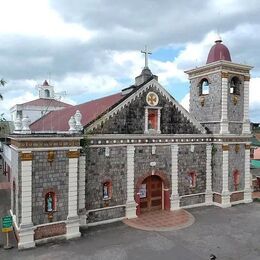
(146, 53)
(152, 99)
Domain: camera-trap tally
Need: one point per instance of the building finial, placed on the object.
(146, 53)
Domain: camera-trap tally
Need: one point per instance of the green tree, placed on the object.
(2, 83)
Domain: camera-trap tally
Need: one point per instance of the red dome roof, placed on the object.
(218, 52)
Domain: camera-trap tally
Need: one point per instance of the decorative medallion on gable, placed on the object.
(152, 99)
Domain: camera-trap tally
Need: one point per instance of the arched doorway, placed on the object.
(151, 194)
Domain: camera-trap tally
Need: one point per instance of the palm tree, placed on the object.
(2, 83)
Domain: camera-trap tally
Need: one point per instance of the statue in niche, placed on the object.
(49, 203)
(105, 191)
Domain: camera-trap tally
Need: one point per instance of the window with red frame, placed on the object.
(192, 178)
(236, 179)
(152, 119)
(107, 190)
(50, 202)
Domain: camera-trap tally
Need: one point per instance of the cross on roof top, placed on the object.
(146, 53)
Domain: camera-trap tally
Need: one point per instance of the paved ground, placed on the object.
(161, 220)
(4, 207)
(232, 233)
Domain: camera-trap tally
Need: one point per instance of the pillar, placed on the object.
(26, 231)
(208, 197)
(130, 202)
(146, 121)
(225, 198)
(224, 119)
(248, 191)
(175, 199)
(72, 223)
(159, 121)
(246, 121)
(82, 192)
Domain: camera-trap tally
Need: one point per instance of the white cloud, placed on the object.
(185, 102)
(30, 17)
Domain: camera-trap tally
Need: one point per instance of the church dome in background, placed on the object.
(218, 52)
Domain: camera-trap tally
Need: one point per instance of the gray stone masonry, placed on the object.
(192, 200)
(105, 214)
(144, 156)
(211, 111)
(216, 164)
(131, 119)
(189, 161)
(49, 176)
(236, 162)
(100, 168)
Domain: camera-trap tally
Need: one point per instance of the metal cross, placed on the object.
(146, 53)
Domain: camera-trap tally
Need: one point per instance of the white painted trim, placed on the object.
(42, 138)
(50, 223)
(45, 148)
(49, 239)
(105, 208)
(237, 202)
(107, 221)
(195, 205)
(192, 195)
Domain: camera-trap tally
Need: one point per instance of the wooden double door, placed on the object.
(151, 196)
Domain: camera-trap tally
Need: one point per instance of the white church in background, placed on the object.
(39, 107)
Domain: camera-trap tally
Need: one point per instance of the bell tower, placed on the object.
(46, 90)
(219, 93)
(219, 100)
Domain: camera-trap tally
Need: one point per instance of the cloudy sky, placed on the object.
(91, 48)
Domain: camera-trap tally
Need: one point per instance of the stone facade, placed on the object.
(131, 119)
(99, 181)
(49, 176)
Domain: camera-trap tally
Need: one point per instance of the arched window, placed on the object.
(234, 86)
(192, 178)
(204, 87)
(107, 190)
(50, 202)
(46, 93)
(236, 179)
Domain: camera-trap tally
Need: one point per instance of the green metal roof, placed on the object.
(255, 142)
(255, 164)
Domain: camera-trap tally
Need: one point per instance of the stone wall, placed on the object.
(131, 119)
(192, 200)
(144, 156)
(105, 214)
(50, 231)
(235, 128)
(236, 162)
(49, 176)
(99, 169)
(217, 170)
(211, 111)
(188, 162)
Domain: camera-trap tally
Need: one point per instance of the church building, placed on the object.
(133, 152)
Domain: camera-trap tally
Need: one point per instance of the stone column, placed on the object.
(130, 202)
(248, 191)
(26, 232)
(146, 121)
(246, 122)
(208, 197)
(72, 223)
(224, 107)
(225, 198)
(82, 192)
(159, 121)
(175, 199)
